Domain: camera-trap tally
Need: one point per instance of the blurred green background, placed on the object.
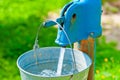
(19, 21)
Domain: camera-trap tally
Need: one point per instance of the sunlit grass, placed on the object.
(19, 21)
(107, 61)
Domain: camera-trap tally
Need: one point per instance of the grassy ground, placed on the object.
(107, 61)
(19, 20)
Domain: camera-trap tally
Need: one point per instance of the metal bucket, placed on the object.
(47, 61)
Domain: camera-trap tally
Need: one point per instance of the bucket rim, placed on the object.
(37, 75)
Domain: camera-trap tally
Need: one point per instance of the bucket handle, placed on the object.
(36, 46)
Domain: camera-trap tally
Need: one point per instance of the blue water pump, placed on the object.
(80, 19)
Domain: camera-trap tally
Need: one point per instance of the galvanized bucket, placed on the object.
(33, 66)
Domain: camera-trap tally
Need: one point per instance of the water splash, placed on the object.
(48, 73)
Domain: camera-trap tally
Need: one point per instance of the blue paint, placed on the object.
(79, 19)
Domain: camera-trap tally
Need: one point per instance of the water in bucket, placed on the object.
(53, 63)
(48, 69)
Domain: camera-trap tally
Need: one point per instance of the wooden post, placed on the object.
(87, 46)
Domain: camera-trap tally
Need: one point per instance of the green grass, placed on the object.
(19, 21)
(107, 61)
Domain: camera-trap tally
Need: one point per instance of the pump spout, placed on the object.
(49, 23)
(52, 23)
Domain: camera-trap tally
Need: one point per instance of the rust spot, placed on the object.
(73, 18)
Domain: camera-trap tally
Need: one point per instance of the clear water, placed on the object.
(49, 69)
(60, 61)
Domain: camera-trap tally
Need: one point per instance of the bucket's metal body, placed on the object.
(50, 54)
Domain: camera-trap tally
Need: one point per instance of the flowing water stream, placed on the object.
(60, 61)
